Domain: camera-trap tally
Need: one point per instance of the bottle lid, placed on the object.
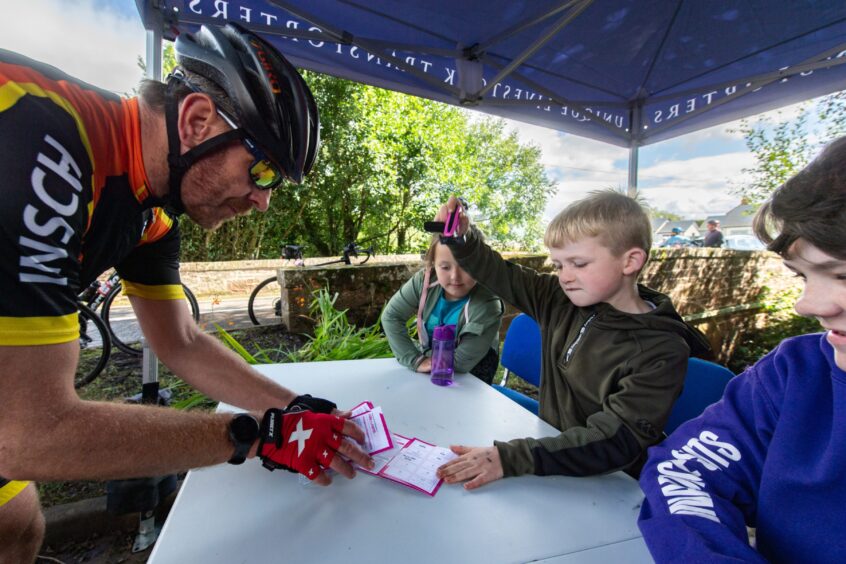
(444, 333)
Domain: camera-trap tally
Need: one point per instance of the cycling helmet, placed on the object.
(274, 106)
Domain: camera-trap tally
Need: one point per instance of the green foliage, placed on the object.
(336, 339)
(655, 212)
(386, 162)
(233, 344)
(782, 322)
(168, 62)
(782, 149)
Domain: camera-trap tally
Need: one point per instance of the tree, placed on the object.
(386, 161)
(655, 212)
(782, 149)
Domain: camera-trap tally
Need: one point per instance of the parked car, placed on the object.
(684, 242)
(743, 243)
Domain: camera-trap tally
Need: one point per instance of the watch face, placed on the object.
(245, 428)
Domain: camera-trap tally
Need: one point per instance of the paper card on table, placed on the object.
(377, 438)
(416, 466)
(363, 407)
(381, 459)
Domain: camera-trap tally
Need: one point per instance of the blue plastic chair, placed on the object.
(521, 354)
(703, 385)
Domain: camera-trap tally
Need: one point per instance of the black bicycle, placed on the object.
(95, 346)
(130, 342)
(96, 333)
(265, 304)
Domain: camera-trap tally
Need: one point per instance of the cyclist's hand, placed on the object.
(306, 402)
(308, 443)
(449, 207)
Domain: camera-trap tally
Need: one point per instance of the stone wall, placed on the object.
(717, 290)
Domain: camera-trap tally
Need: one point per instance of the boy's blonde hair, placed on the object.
(618, 221)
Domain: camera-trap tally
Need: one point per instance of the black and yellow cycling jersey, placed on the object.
(9, 489)
(74, 202)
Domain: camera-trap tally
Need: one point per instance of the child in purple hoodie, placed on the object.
(772, 453)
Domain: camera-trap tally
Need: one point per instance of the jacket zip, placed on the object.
(572, 347)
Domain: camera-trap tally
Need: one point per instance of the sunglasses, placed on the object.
(264, 174)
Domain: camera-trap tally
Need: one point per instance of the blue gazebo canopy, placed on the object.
(626, 72)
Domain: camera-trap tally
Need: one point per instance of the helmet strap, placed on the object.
(179, 163)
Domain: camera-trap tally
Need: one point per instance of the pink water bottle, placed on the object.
(443, 354)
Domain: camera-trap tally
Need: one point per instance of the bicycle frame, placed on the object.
(351, 250)
(96, 292)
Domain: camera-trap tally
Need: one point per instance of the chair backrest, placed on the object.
(521, 351)
(703, 385)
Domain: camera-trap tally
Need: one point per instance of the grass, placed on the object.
(336, 339)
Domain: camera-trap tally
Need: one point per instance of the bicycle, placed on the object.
(89, 366)
(265, 304)
(103, 293)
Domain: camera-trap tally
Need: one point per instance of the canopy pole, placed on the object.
(532, 49)
(631, 191)
(634, 145)
(154, 53)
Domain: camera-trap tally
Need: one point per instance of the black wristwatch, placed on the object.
(243, 432)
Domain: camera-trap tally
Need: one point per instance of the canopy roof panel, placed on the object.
(627, 72)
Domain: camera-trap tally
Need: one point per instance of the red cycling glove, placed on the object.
(303, 442)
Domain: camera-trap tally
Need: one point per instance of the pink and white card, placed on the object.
(416, 466)
(407, 461)
(377, 438)
(381, 460)
(363, 407)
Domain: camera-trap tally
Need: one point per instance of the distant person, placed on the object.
(675, 240)
(93, 181)
(714, 237)
(614, 353)
(452, 298)
(771, 453)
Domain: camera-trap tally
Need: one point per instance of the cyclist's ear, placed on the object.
(198, 120)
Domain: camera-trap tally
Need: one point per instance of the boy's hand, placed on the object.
(480, 465)
(449, 207)
(425, 365)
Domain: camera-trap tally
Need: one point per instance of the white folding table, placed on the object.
(234, 514)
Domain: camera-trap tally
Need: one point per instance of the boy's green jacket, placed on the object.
(609, 391)
(476, 335)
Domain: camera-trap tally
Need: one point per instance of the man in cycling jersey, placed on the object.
(92, 181)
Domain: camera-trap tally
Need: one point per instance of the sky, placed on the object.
(100, 41)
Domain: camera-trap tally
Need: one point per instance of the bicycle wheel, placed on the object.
(127, 337)
(95, 347)
(265, 303)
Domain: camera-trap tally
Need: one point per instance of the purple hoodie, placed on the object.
(771, 455)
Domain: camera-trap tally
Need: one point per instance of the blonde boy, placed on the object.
(614, 352)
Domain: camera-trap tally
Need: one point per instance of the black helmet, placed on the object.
(273, 103)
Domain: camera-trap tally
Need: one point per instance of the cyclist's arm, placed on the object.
(47, 432)
(201, 360)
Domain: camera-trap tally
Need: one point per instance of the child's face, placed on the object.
(824, 293)
(589, 273)
(452, 278)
